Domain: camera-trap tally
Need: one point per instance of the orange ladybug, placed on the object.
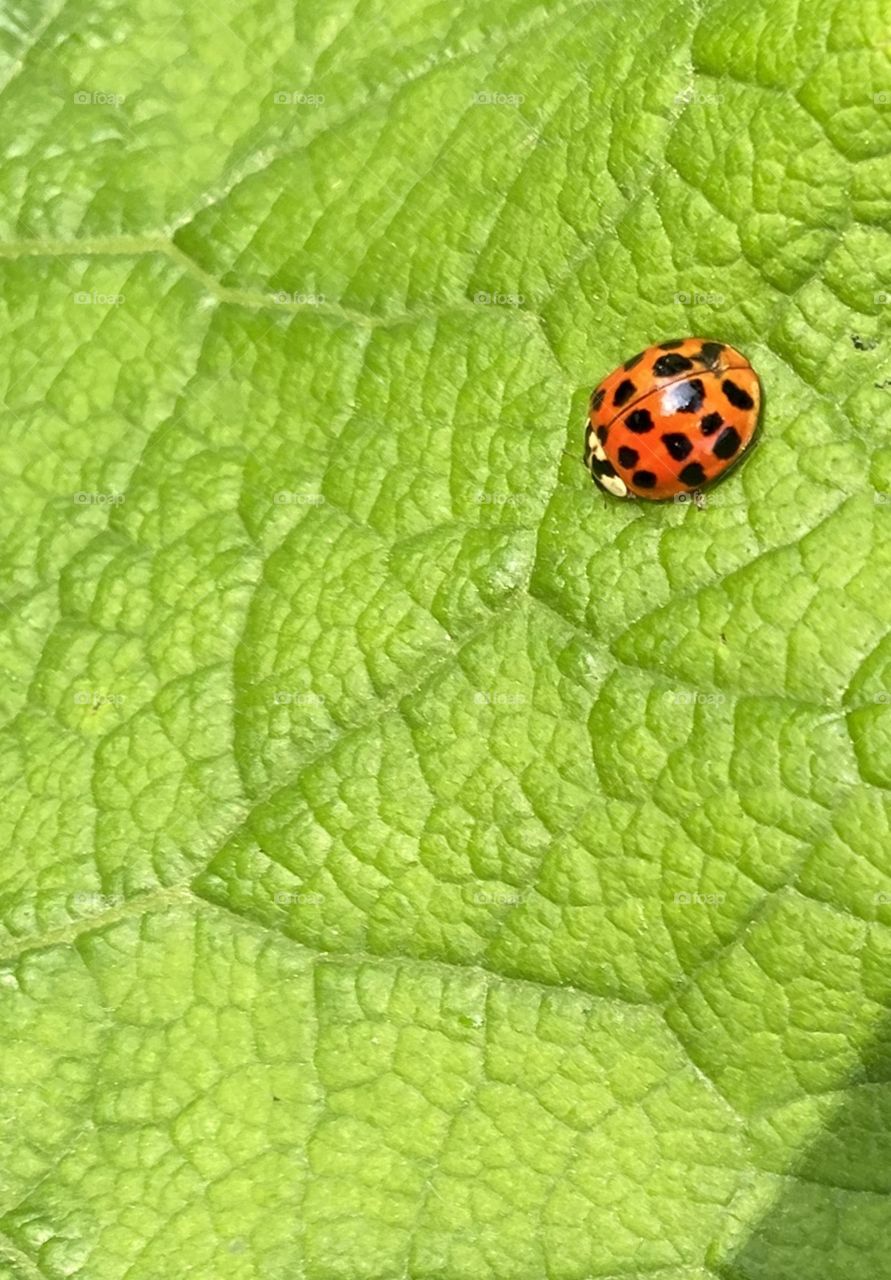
(672, 419)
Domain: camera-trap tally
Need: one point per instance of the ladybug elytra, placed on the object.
(672, 419)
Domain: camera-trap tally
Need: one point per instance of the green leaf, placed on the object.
(417, 865)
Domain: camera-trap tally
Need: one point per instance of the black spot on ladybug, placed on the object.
(597, 399)
(710, 353)
(739, 398)
(602, 467)
(670, 365)
(671, 344)
(727, 443)
(692, 475)
(629, 364)
(644, 479)
(623, 393)
(710, 423)
(602, 432)
(688, 396)
(639, 421)
(677, 445)
(628, 457)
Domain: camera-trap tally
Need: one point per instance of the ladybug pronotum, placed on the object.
(672, 419)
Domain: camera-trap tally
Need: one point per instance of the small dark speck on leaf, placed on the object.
(864, 344)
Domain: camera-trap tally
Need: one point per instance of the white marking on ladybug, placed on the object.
(614, 485)
(595, 446)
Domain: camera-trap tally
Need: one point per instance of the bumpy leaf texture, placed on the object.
(416, 865)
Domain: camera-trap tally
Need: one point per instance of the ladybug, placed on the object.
(672, 419)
